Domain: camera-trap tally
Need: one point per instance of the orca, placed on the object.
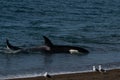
(11, 48)
(63, 48)
(50, 48)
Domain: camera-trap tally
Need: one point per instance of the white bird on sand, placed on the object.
(100, 69)
(46, 75)
(95, 69)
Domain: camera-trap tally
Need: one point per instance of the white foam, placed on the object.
(42, 74)
(37, 74)
(21, 76)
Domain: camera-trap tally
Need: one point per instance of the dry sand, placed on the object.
(109, 75)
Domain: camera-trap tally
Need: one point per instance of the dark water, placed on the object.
(92, 24)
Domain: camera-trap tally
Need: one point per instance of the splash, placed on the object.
(6, 50)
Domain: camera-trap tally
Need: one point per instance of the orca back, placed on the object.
(47, 41)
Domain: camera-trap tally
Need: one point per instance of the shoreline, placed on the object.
(113, 74)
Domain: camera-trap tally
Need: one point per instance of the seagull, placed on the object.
(46, 75)
(100, 69)
(95, 69)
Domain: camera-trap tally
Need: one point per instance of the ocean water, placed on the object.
(91, 24)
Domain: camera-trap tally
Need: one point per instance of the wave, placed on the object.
(51, 73)
(107, 66)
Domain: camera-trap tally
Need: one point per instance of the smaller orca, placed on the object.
(50, 48)
(14, 49)
(11, 48)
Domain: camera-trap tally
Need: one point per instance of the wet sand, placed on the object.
(108, 75)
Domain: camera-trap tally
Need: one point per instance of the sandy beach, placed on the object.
(108, 75)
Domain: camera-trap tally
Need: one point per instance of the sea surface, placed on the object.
(91, 24)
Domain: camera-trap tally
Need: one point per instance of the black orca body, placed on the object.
(50, 47)
(63, 48)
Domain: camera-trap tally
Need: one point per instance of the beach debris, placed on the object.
(95, 69)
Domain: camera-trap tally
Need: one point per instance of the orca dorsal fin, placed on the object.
(9, 46)
(47, 41)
